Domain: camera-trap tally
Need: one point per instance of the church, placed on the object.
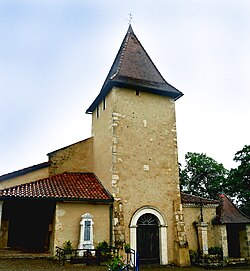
(121, 185)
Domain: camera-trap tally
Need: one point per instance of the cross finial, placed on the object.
(130, 18)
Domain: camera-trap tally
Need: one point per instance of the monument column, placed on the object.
(202, 237)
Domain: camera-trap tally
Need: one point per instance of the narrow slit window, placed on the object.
(103, 104)
(137, 93)
(97, 112)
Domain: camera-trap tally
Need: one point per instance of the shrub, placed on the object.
(115, 263)
(67, 246)
(215, 251)
(194, 256)
(102, 245)
(127, 248)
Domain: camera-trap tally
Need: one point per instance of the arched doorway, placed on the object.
(148, 238)
(148, 222)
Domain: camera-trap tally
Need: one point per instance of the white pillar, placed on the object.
(133, 237)
(163, 245)
(133, 244)
(202, 237)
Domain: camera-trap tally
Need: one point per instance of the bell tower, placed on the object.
(135, 152)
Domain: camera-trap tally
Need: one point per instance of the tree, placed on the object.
(238, 182)
(202, 176)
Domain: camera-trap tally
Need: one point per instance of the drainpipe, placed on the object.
(111, 225)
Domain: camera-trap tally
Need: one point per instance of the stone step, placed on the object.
(17, 254)
(236, 261)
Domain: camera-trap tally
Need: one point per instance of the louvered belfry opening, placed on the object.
(148, 239)
(30, 223)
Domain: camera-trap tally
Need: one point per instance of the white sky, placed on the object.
(55, 56)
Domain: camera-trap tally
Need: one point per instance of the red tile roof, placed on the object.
(191, 199)
(228, 213)
(65, 186)
(133, 68)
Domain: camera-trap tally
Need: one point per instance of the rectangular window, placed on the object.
(87, 230)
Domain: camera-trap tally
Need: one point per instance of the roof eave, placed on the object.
(108, 201)
(175, 95)
(24, 171)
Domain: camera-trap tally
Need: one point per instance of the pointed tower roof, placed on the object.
(133, 68)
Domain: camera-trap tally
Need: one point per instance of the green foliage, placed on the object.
(115, 263)
(215, 255)
(104, 251)
(102, 245)
(215, 251)
(127, 248)
(238, 182)
(194, 256)
(202, 176)
(67, 246)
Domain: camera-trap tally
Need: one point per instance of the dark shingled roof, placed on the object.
(24, 171)
(228, 213)
(65, 186)
(191, 199)
(133, 68)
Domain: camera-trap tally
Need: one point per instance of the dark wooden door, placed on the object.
(148, 239)
(233, 240)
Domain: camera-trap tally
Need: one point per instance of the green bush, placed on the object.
(102, 245)
(194, 256)
(127, 248)
(67, 246)
(115, 263)
(215, 251)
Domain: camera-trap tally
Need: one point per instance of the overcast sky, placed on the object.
(55, 56)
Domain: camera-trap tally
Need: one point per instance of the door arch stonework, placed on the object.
(162, 231)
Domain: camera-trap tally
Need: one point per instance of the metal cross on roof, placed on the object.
(130, 18)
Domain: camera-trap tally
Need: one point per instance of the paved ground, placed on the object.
(53, 265)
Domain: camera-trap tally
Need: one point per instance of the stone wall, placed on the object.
(67, 222)
(4, 233)
(74, 158)
(245, 243)
(135, 154)
(102, 132)
(26, 178)
(192, 215)
(220, 233)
